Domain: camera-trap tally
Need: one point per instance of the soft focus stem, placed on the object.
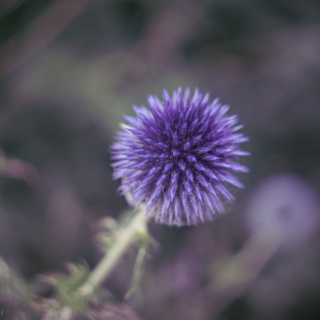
(248, 263)
(137, 273)
(122, 243)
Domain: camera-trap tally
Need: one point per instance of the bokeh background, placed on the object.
(69, 70)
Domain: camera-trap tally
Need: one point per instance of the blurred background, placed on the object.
(69, 70)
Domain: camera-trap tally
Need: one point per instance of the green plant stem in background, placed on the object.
(137, 273)
(246, 265)
(124, 240)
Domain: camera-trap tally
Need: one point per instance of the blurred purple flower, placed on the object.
(284, 208)
(177, 157)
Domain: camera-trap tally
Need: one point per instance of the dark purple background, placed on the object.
(69, 71)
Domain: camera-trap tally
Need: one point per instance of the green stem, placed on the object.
(122, 243)
(137, 273)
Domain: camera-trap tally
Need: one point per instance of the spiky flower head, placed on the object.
(177, 156)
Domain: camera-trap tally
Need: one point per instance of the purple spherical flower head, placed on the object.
(178, 155)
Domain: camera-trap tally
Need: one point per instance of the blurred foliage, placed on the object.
(67, 288)
(15, 295)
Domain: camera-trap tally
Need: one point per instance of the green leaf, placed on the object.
(67, 287)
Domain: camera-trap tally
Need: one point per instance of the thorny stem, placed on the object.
(122, 243)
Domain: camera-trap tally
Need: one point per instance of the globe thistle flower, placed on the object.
(177, 156)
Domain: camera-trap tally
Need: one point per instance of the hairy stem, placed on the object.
(123, 241)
